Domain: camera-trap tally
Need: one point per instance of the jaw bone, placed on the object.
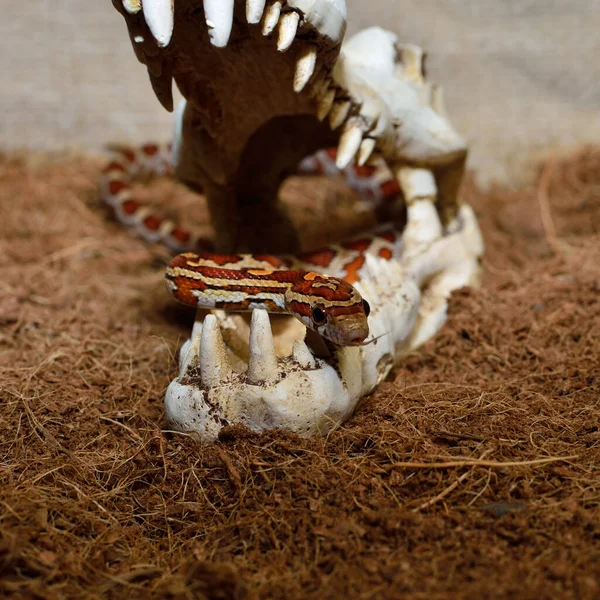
(308, 395)
(376, 99)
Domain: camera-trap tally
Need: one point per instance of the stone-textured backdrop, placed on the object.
(521, 76)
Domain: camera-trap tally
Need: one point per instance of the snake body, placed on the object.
(328, 305)
(315, 287)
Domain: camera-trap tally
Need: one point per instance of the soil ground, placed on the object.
(98, 499)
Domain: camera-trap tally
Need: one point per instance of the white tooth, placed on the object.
(288, 26)
(303, 356)
(325, 103)
(271, 17)
(254, 11)
(437, 100)
(262, 360)
(319, 86)
(214, 363)
(338, 113)
(349, 144)
(305, 67)
(413, 60)
(219, 19)
(192, 352)
(366, 149)
(159, 17)
(132, 6)
(163, 89)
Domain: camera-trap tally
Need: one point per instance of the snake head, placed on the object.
(331, 307)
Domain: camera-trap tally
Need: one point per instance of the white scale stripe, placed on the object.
(212, 298)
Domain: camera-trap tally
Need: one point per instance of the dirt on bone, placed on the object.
(98, 497)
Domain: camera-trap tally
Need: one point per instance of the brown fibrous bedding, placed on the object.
(472, 472)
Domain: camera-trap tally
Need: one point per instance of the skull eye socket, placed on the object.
(318, 316)
(366, 308)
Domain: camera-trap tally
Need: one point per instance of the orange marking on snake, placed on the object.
(130, 206)
(116, 186)
(320, 258)
(352, 269)
(364, 171)
(114, 166)
(359, 245)
(385, 253)
(150, 149)
(128, 154)
(274, 261)
(152, 222)
(390, 188)
(181, 235)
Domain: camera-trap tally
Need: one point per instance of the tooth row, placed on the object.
(219, 20)
(207, 354)
(340, 112)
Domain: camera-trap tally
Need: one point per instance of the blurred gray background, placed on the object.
(522, 77)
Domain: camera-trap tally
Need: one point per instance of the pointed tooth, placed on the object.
(162, 86)
(219, 19)
(303, 356)
(254, 11)
(192, 351)
(132, 6)
(366, 149)
(413, 61)
(159, 17)
(338, 113)
(305, 67)
(288, 27)
(319, 86)
(437, 100)
(262, 361)
(349, 144)
(325, 103)
(214, 363)
(271, 17)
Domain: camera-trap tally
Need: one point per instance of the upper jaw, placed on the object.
(373, 95)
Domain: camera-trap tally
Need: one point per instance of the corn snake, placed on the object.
(324, 301)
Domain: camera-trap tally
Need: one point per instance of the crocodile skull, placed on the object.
(254, 108)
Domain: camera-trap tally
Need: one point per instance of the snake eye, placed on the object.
(318, 316)
(366, 308)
